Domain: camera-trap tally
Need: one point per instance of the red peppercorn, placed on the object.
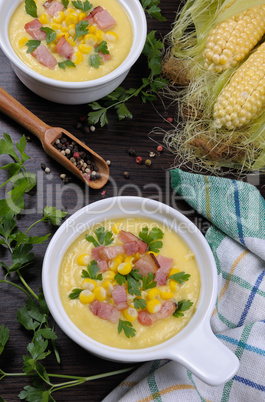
(169, 119)
(139, 160)
(76, 155)
(159, 148)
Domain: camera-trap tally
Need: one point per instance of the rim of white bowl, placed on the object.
(137, 18)
(206, 300)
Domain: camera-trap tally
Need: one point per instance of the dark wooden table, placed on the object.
(112, 142)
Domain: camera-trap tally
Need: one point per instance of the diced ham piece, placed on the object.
(145, 318)
(125, 237)
(105, 311)
(89, 18)
(33, 28)
(96, 10)
(103, 265)
(52, 7)
(105, 57)
(44, 57)
(108, 253)
(148, 263)
(120, 297)
(104, 20)
(131, 247)
(163, 272)
(64, 48)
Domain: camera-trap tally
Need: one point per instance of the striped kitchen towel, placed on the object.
(236, 211)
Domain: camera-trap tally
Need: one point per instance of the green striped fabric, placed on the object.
(236, 211)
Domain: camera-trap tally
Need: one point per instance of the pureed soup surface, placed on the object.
(97, 52)
(176, 259)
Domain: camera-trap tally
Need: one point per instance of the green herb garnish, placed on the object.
(183, 305)
(127, 327)
(152, 238)
(102, 47)
(102, 237)
(152, 9)
(65, 3)
(92, 271)
(66, 63)
(133, 280)
(50, 34)
(95, 60)
(180, 277)
(75, 294)
(81, 29)
(86, 6)
(4, 335)
(148, 281)
(32, 45)
(139, 303)
(31, 8)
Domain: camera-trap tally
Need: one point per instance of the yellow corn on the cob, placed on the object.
(231, 40)
(243, 98)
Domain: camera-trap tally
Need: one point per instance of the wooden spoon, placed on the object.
(48, 135)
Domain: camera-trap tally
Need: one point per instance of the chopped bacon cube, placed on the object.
(64, 48)
(33, 28)
(131, 247)
(163, 272)
(104, 20)
(145, 318)
(96, 10)
(52, 7)
(103, 265)
(89, 18)
(120, 297)
(105, 311)
(148, 263)
(108, 253)
(44, 57)
(126, 237)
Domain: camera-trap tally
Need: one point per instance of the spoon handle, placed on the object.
(12, 108)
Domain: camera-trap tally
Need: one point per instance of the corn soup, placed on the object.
(129, 284)
(80, 42)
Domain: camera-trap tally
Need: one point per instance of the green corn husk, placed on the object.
(195, 139)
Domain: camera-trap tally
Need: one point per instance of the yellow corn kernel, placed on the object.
(100, 293)
(81, 16)
(52, 47)
(89, 284)
(153, 293)
(71, 30)
(174, 271)
(136, 257)
(153, 306)
(130, 314)
(44, 19)
(108, 275)
(125, 268)
(99, 35)
(82, 259)
(129, 258)
(56, 27)
(23, 41)
(84, 48)
(116, 227)
(112, 36)
(113, 264)
(71, 19)
(166, 293)
(90, 39)
(59, 17)
(69, 40)
(86, 296)
(173, 285)
(108, 286)
(70, 10)
(78, 58)
(92, 29)
(64, 29)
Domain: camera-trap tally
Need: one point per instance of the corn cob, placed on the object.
(231, 40)
(243, 98)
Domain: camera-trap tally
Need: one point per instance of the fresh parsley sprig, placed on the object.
(183, 305)
(92, 271)
(31, 8)
(50, 34)
(84, 6)
(75, 294)
(133, 281)
(32, 44)
(180, 277)
(151, 7)
(149, 281)
(81, 29)
(66, 63)
(127, 328)
(102, 237)
(152, 238)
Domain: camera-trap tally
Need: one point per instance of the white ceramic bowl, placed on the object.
(74, 93)
(195, 346)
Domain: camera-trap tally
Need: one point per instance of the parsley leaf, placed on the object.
(102, 237)
(86, 6)
(99, 115)
(65, 3)
(95, 60)
(152, 9)
(92, 271)
(31, 8)
(75, 294)
(134, 283)
(53, 215)
(102, 47)
(32, 45)
(50, 34)
(120, 279)
(81, 29)
(180, 277)
(66, 63)
(152, 238)
(127, 327)
(148, 281)
(4, 335)
(139, 303)
(183, 305)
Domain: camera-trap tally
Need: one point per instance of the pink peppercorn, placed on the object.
(139, 160)
(169, 119)
(159, 148)
(76, 155)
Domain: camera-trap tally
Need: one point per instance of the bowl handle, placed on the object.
(205, 356)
